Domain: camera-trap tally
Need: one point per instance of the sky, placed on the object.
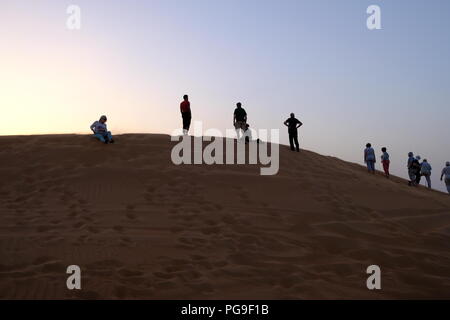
(133, 61)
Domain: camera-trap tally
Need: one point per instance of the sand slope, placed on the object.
(141, 227)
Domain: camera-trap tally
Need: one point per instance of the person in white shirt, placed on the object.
(425, 170)
(101, 131)
(369, 158)
(446, 173)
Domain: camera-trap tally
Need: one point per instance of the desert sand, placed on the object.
(140, 227)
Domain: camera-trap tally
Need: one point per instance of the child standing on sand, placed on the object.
(369, 158)
(385, 161)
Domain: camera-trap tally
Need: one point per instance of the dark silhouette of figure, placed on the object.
(369, 158)
(185, 108)
(293, 124)
(385, 161)
(411, 170)
(417, 168)
(239, 120)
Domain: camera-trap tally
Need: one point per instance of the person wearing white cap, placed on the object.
(101, 131)
(425, 171)
(446, 173)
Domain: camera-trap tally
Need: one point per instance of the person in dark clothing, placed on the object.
(239, 119)
(185, 108)
(411, 170)
(417, 166)
(293, 124)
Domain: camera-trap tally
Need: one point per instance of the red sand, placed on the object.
(141, 227)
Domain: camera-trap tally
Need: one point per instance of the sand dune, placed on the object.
(141, 227)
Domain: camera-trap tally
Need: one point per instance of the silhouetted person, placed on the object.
(101, 131)
(385, 161)
(185, 108)
(239, 119)
(417, 166)
(446, 174)
(425, 171)
(369, 158)
(293, 124)
(411, 171)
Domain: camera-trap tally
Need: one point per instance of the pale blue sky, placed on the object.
(135, 59)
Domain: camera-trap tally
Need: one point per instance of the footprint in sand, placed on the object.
(148, 198)
(78, 225)
(73, 214)
(176, 229)
(88, 219)
(131, 216)
(42, 229)
(93, 230)
(118, 228)
(73, 206)
(210, 222)
(120, 292)
(164, 275)
(82, 201)
(43, 259)
(129, 273)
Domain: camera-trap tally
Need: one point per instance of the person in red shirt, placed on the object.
(185, 108)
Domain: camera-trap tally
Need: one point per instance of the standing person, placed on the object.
(385, 161)
(369, 158)
(185, 108)
(239, 120)
(293, 124)
(100, 130)
(425, 171)
(411, 172)
(417, 167)
(446, 173)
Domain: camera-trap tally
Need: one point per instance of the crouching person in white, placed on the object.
(101, 131)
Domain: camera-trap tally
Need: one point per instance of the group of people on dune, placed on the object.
(416, 169)
(241, 125)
